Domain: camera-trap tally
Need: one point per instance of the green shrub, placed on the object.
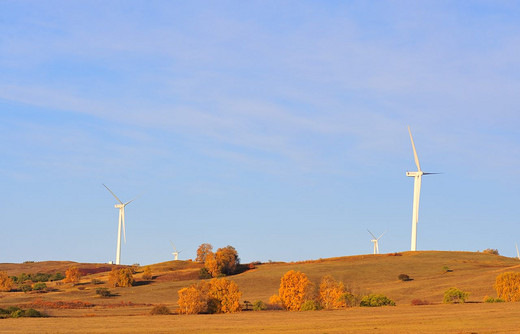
(259, 306)
(374, 300)
(26, 288)
(32, 313)
(103, 292)
(454, 295)
(57, 277)
(350, 299)
(160, 310)
(204, 273)
(310, 305)
(40, 286)
(488, 299)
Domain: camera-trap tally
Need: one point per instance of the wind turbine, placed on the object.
(121, 207)
(517, 254)
(175, 253)
(375, 240)
(416, 193)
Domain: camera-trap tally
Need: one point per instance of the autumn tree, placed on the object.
(224, 296)
(216, 296)
(227, 260)
(122, 277)
(202, 252)
(72, 275)
(507, 286)
(211, 265)
(6, 282)
(194, 299)
(331, 293)
(147, 273)
(295, 289)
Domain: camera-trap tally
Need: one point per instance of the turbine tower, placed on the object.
(517, 253)
(416, 193)
(375, 240)
(121, 207)
(175, 253)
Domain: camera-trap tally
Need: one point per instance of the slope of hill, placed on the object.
(432, 272)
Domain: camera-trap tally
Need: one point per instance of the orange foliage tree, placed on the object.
(331, 293)
(122, 277)
(295, 289)
(202, 252)
(227, 260)
(6, 282)
(72, 275)
(211, 265)
(216, 296)
(507, 286)
(224, 296)
(194, 299)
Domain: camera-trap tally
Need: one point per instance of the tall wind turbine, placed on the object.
(121, 207)
(175, 253)
(375, 240)
(416, 193)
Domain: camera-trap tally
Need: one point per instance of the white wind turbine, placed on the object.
(121, 207)
(175, 253)
(375, 241)
(517, 253)
(416, 193)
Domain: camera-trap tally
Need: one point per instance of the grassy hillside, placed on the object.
(472, 272)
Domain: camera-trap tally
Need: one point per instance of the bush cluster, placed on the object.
(376, 300)
(103, 292)
(160, 310)
(488, 299)
(454, 295)
(16, 312)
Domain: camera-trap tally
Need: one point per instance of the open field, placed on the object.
(432, 273)
(467, 318)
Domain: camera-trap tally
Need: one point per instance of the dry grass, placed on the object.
(472, 272)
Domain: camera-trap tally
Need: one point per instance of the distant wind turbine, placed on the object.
(175, 253)
(416, 193)
(121, 207)
(517, 254)
(375, 241)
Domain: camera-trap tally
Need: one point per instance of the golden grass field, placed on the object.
(128, 311)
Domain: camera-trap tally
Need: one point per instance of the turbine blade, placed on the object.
(517, 254)
(414, 151)
(175, 249)
(113, 194)
(431, 173)
(124, 228)
(128, 202)
(371, 234)
(381, 235)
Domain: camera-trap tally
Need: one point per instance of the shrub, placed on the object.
(6, 282)
(491, 251)
(454, 295)
(507, 286)
(204, 273)
(160, 310)
(57, 277)
(26, 288)
(446, 269)
(488, 299)
(103, 292)
(310, 305)
(216, 296)
(350, 299)
(16, 312)
(122, 277)
(374, 300)
(259, 306)
(416, 302)
(72, 275)
(39, 286)
(295, 289)
(147, 274)
(330, 293)
(403, 277)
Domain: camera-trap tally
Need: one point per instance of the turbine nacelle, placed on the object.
(415, 174)
(119, 206)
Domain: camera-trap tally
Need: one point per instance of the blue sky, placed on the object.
(277, 127)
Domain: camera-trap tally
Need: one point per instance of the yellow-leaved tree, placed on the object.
(122, 277)
(331, 293)
(72, 275)
(224, 296)
(295, 289)
(227, 260)
(211, 265)
(6, 282)
(202, 252)
(194, 299)
(147, 273)
(217, 296)
(507, 286)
